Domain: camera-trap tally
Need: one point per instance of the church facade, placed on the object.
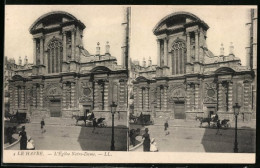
(189, 80)
(65, 79)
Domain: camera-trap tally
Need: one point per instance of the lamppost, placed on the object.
(236, 113)
(113, 110)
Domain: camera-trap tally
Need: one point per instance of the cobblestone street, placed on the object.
(60, 136)
(190, 137)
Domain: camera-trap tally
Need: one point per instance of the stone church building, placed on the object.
(189, 80)
(65, 79)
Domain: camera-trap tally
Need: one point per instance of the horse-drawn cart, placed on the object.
(19, 118)
(212, 122)
(144, 119)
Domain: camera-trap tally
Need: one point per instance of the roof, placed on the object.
(169, 18)
(49, 16)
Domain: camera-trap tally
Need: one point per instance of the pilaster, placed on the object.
(188, 47)
(34, 51)
(73, 45)
(230, 96)
(158, 53)
(196, 46)
(72, 94)
(106, 103)
(197, 96)
(41, 96)
(41, 51)
(165, 45)
(220, 98)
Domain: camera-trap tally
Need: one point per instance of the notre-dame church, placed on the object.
(65, 79)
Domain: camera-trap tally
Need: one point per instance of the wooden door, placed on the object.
(179, 110)
(55, 108)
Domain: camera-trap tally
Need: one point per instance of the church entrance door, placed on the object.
(179, 110)
(55, 108)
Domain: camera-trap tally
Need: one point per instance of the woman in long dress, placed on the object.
(23, 140)
(146, 143)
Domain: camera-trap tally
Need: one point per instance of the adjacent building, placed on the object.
(65, 79)
(189, 80)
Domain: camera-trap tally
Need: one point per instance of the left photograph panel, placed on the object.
(65, 78)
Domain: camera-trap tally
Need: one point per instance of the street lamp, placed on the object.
(113, 110)
(236, 113)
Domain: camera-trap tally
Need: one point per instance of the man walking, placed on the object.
(42, 126)
(94, 124)
(166, 125)
(218, 127)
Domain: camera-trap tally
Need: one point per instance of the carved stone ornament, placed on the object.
(210, 93)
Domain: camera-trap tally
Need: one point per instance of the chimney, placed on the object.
(25, 60)
(144, 63)
(20, 61)
(98, 49)
(231, 49)
(222, 50)
(150, 62)
(107, 48)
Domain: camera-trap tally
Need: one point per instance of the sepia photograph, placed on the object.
(65, 81)
(193, 74)
(129, 84)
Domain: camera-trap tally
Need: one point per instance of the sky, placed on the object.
(227, 24)
(103, 23)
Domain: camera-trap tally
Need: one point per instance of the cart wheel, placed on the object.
(104, 124)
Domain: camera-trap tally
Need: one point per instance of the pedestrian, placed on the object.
(132, 137)
(142, 118)
(147, 141)
(118, 115)
(9, 134)
(23, 139)
(218, 127)
(94, 124)
(154, 147)
(166, 125)
(42, 125)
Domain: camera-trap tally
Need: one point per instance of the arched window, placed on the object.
(178, 57)
(54, 56)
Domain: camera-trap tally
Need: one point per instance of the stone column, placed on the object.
(158, 53)
(22, 97)
(246, 95)
(96, 95)
(141, 98)
(165, 52)
(146, 98)
(188, 47)
(72, 94)
(197, 96)
(34, 52)
(220, 96)
(41, 51)
(64, 95)
(188, 97)
(106, 103)
(135, 98)
(34, 95)
(196, 46)
(64, 47)
(41, 96)
(158, 97)
(73, 45)
(201, 42)
(165, 88)
(230, 96)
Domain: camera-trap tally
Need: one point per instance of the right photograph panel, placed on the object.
(192, 75)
